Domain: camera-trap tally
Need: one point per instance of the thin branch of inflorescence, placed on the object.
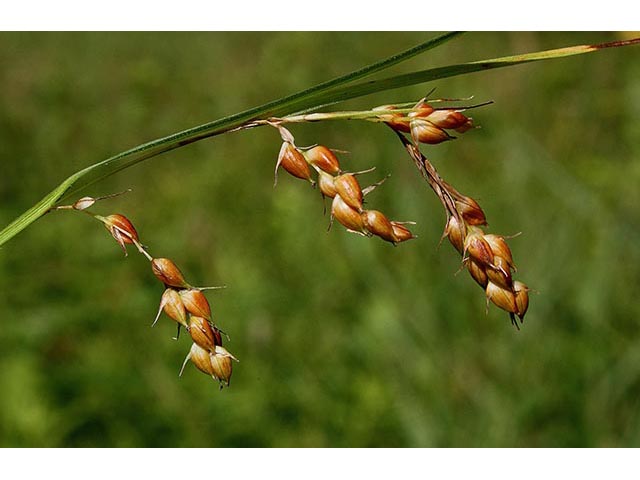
(182, 302)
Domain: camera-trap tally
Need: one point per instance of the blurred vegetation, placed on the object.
(343, 341)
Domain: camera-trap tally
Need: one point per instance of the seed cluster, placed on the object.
(182, 302)
(486, 257)
(188, 306)
(343, 188)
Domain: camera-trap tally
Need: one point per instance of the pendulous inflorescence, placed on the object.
(487, 257)
(180, 301)
(343, 188)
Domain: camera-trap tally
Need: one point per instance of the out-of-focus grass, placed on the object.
(343, 341)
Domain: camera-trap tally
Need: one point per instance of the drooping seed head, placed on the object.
(348, 187)
(196, 303)
(401, 232)
(522, 298)
(327, 187)
(293, 162)
(168, 273)
(424, 131)
(347, 216)
(202, 333)
(222, 365)
(377, 223)
(324, 159)
(501, 297)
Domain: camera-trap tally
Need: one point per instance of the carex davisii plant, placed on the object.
(180, 301)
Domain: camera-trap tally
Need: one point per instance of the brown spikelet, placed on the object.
(121, 229)
(522, 298)
(293, 162)
(326, 184)
(172, 305)
(456, 233)
(377, 223)
(401, 232)
(168, 273)
(477, 272)
(348, 187)
(347, 216)
(477, 248)
(451, 119)
(196, 303)
(501, 297)
(222, 365)
(202, 333)
(323, 158)
(423, 131)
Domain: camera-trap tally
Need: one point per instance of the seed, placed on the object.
(348, 188)
(500, 248)
(222, 365)
(424, 131)
(477, 273)
(173, 307)
(378, 224)
(324, 159)
(347, 216)
(455, 233)
(500, 273)
(477, 248)
(121, 229)
(401, 232)
(201, 358)
(196, 303)
(447, 119)
(327, 187)
(293, 162)
(470, 210)
(202, 333)
(522, 298)
(505, 299)
(168, 273)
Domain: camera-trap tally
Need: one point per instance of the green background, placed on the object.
(343, 341)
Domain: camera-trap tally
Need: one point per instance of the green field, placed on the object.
(343, 341)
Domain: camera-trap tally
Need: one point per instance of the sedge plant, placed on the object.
(419, 125)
